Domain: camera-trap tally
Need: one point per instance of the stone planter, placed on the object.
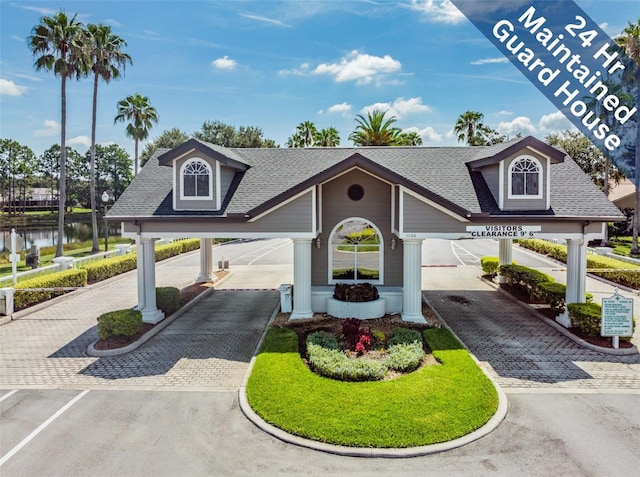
(360, 310)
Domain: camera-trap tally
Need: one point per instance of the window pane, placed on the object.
(532, 184)
(517, 184)
(189, 186)
(203, 185)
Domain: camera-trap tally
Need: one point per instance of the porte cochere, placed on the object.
(361, 214)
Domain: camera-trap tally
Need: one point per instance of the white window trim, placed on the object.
(333, 281)
(541, 183)
(211, 188)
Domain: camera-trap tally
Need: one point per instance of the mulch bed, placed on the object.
(187, 294)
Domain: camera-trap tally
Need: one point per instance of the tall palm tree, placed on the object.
(58, 43)
(375, 130)
(630, 42)
(470, 128)
(141, 114)
(107, 59)
(307, 132)
(328, 137)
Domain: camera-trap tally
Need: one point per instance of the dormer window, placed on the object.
(196, 180)
(525, 178)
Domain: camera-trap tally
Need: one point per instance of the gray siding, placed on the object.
(375, 207)
(491, 175)
(226, 176)
(419, 217)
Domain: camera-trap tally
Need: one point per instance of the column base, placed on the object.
(152, 316)
(564, 319)
(300, 315)
(206, 278)
(413, 318)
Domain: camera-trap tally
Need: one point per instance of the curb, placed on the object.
(558, 327)
(396, 453)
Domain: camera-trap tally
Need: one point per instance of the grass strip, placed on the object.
(434, 404)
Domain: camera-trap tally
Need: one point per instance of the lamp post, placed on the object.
(105, 199)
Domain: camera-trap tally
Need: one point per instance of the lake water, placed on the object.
(44, 236)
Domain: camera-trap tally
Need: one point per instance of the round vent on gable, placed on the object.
(355, 192)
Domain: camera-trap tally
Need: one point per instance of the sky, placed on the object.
(275, 64)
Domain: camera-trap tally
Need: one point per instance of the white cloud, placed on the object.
(9, 88)
(488, 61)
(51, 128)
(112, 22)
(224, 63)
(271, 21)
(40, 10)
(343, 109)
(555, 122)
(428, 134)
(504, 113)
(359, 67)
(399, 108)
(441, 11)
(80, 141)
(521, 125)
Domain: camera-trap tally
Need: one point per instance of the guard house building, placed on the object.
(361, 214)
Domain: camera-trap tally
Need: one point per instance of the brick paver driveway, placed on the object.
(515, 347)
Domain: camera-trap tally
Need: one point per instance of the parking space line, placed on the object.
(10, 393)
(41, 427)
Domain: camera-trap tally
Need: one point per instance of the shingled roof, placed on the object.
(446, 175)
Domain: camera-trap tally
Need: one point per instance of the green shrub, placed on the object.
(65, 278)
(554, 295)
(405, 357)
(527, 280)
(404, 336)
(119, 323)
(586, 317)
(189, 245)
(489, 265)
(324, 339)
(168, 299)
(169, 250)
(109, 267)
(334, 364)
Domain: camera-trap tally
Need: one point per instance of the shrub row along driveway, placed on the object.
(517, 349)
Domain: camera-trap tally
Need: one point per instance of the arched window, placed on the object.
(196, 180)
(356, 253)
(525, 178)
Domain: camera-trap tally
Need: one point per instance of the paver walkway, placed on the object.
(515, 347)
(207, 348)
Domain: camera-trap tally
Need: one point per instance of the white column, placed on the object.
(140, 269)
(412, 280)
(206, 261)
(576, 276)
(150, 312)
(301, 279)
(505, 252)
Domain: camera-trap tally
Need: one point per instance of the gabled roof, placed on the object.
(446, 175)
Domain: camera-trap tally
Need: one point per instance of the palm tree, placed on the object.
(141, 114)
(307, 132)
(328, 137)
(58, 43)
(470, 128)
(411, 138)
(375, 130)
(630, 42)
(106, 59)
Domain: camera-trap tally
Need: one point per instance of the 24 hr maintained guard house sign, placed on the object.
(503, 231)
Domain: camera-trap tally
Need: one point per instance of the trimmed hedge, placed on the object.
(490, 265)
(554, 295)
(617, 271)
(168, 299)
(525, 279)
(110, 267)
(169, 250)
(119, 323)
(66, 278)
(188, 245)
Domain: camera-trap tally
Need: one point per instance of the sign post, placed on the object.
(17, 243)
(617, 317)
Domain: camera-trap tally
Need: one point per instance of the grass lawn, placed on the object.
(434, 404)
(621, 246)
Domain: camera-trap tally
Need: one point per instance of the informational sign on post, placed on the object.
(617, 317)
